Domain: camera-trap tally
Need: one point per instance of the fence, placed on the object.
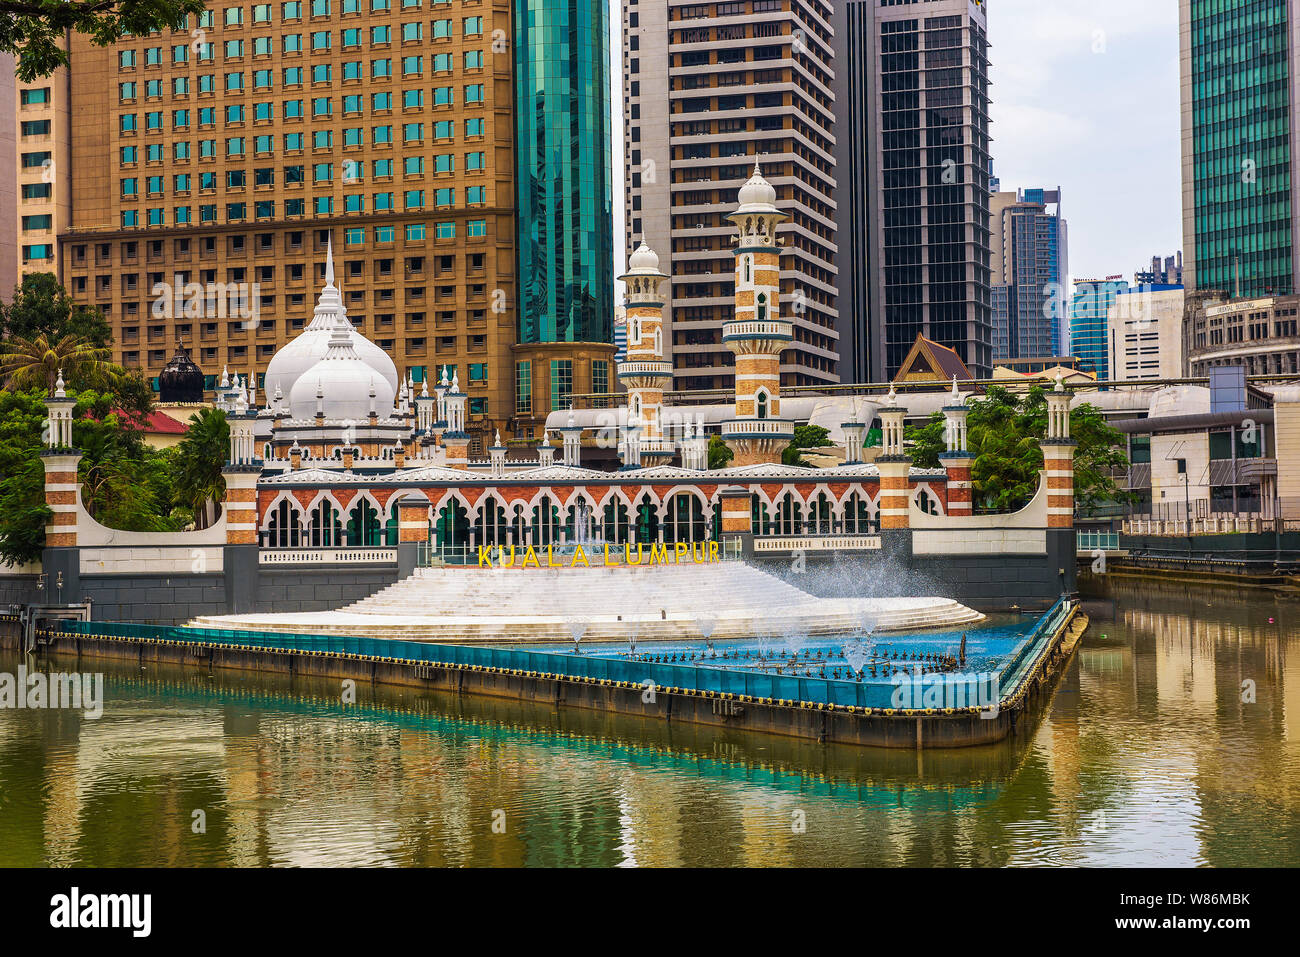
(863, 694)
(430, 554)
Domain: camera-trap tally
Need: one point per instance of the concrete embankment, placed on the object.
(1033, 678)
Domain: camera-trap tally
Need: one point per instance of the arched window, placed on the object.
(363, 524)
(647, 521)
(491, 523)
(282, 529)
(452, 528)
(762, 307)
(762, 405)
(927, 502)
(789, 515)
(616, 522)
(326, 528)
(748, 260)
(685, 519)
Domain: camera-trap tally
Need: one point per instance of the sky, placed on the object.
(1085, 97)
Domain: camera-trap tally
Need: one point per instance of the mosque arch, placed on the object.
(761, 402)
(821, 513)
(282, 527)
(926, 500)
(490, 524)
(684, 518)
(789, 514)
(452, 526)
(762, 307)
(646, 520)
(861, 516)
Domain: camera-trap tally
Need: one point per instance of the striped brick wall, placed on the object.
(894, 492)
(241, 506)
(1058, 461)
(961, 494)
(61, 496)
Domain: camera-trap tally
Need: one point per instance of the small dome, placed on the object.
(757, 194)
(644, 259)
(346, 382)
(180, 380)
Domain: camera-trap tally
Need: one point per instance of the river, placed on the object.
(1173, 739)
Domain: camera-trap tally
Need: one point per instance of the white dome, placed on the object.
(346, 381)
(644, 259)
(757, 194)
(309, 347)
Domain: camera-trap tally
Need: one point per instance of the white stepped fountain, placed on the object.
(728, 599)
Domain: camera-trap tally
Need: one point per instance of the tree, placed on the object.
(36, 363)
(1004, 435)
(42, 306)
(33, 30)
(23, 512)
(198, 461)
(719, 452)
(805, 437)
(125, 484)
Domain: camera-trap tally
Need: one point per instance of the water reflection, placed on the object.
(1147, 755)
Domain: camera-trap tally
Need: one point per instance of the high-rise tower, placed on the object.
(756, 333)
(912, 168)
(1240, 115)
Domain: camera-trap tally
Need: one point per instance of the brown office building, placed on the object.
(211, 163)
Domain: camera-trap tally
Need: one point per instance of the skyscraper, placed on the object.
(565, 223)
(1030, 269)
(39, 118)
(708, 88)
(912, 167)
(1240, 115)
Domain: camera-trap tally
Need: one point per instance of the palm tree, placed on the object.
(199, 459)
(35, 363)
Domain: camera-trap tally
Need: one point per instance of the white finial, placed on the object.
(571, 417)
(1060, 382)
(373, 410)
(758, 169)
(956, 396)
(424, 388)
(329, 259)
(892, 398)
(498, 438)
(455, 382)
(225, 378)
(59, 392)
(444, 376)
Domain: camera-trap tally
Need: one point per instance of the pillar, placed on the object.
(894, 466)
(734, 502)
(957, 460)
(413, 511)
(1058, 467)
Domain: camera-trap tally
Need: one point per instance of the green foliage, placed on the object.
(719, 453)
(125, 484)
(811, 437)
(23, 512)
(33, 30)
(1004, 432)
(41, 306)
(197, 463)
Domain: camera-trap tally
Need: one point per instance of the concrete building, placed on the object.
(1240, 113)
(913, 169)
(1030, 270)
(8, 174)
(39, 153)
(708, 88)
(1089, 306)
(1166, 272)
(1144, 327)
(213, 164)
(1262, 335)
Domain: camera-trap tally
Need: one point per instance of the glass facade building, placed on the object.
(562, 140)
(912, 172)
(1238, 75)
(1029, 275)
(1089, 336)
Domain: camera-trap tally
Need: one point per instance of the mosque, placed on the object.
(343, 475)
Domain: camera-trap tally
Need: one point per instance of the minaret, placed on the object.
(756, 333)
(644, 372)
(1058, 458)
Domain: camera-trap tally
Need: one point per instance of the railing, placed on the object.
(758, 427)
(754, 329)
(327, 556)
(878, 693)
